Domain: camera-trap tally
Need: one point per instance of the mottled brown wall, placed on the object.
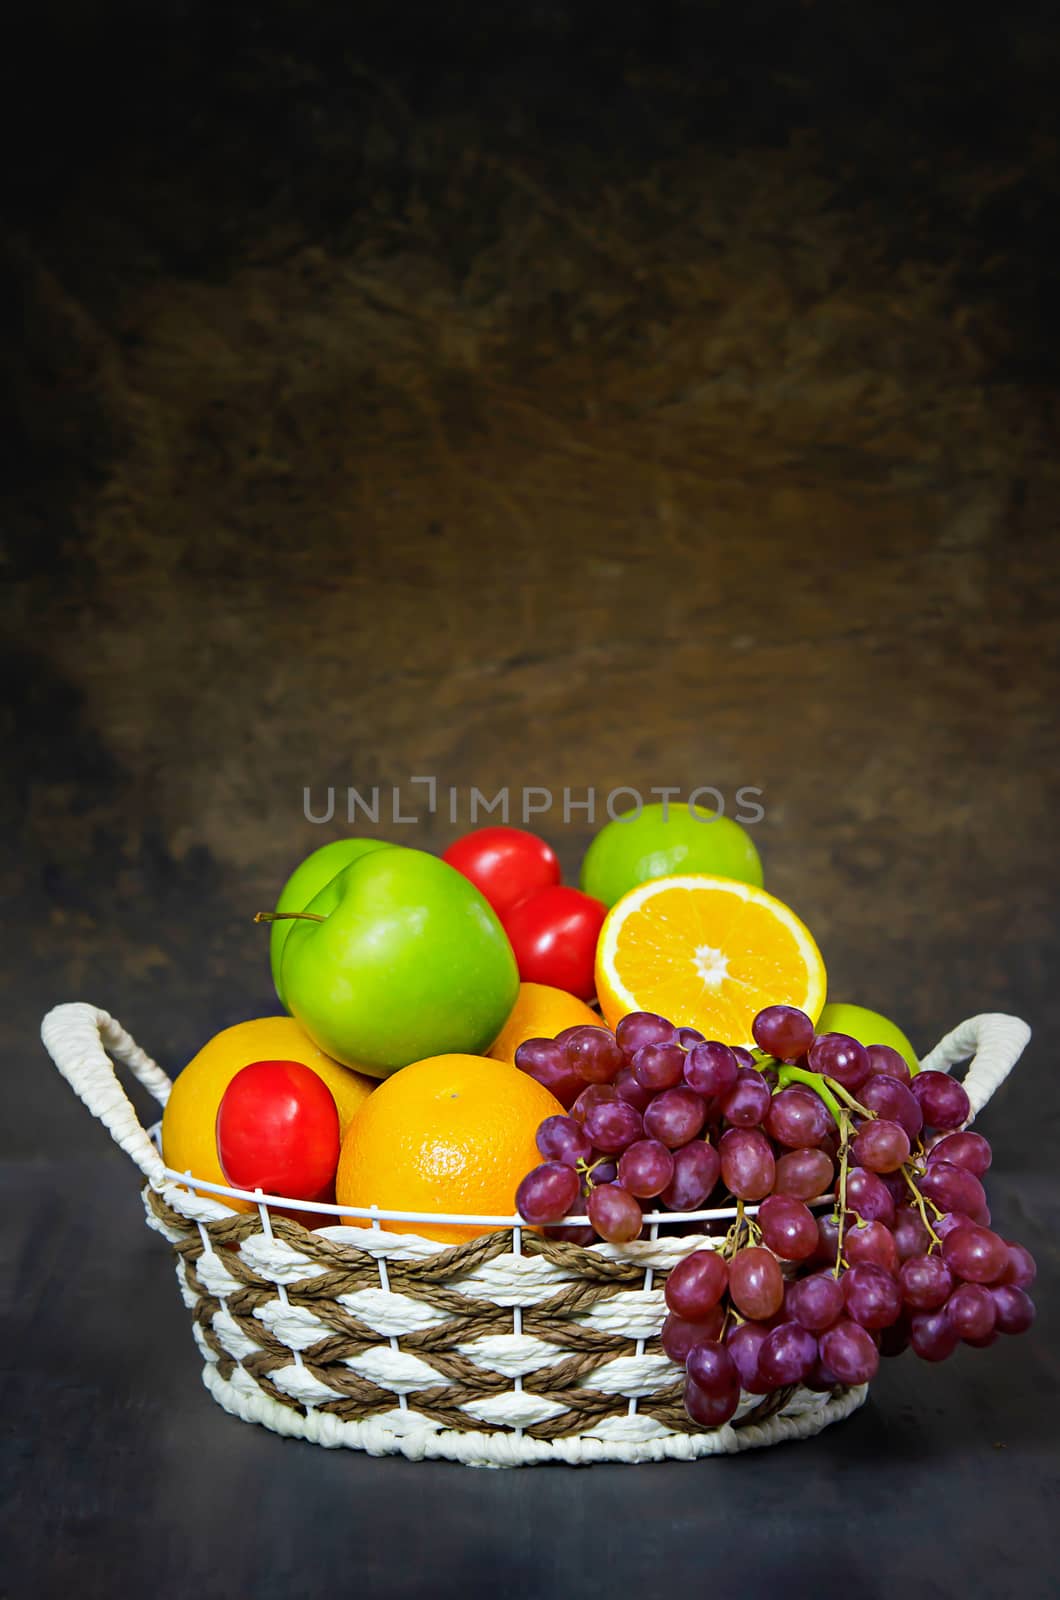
(364, 431)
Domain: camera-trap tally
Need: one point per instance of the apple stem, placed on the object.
(288, 916)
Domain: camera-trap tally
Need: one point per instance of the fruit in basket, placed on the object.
(883, 1269)
(455, 1133)
(540, 1012)
(306, 881)
(399, 957)
(189, 1141)
(278, 1131)
(867, 1027)
(554, 934)
(706, 952)
(663, 841)
(506, 864)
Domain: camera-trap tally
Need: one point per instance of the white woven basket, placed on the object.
(505, 1351)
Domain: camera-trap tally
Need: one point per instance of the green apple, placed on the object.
(306, 881)
(397, 958)
(662, 841)
(867, 1027)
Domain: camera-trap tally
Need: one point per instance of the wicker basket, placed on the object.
(508, 1350)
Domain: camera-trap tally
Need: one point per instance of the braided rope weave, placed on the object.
(507, 1349)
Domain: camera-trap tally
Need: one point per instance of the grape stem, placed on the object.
(844, 1151)
(848, 1099)
(813, 1080)
(919, 1198)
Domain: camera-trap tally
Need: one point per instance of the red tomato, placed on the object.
(554, 936)
(506, 864)
(278, 1131)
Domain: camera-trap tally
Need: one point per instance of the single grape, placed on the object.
(975, 1254)
(971, 1311)
(659, 1066)
(815, 1302)
(965, 1149)
(678, 1336)
(943, 1100)
(888, 1062)
(573, 1233)
(594, 1053)
(1014, 1307)
(614, 1213)
(804, 1174)
(788, 1355)
(871, 1243)
(797, 1118)
(696, 1284)
(827, 1238)
(952, 1188)
(1022, 1269)
(788, 1227)
(839, 1057)
(756, 1283)
(911, 1237)
(891, 1099)
(597, 1094)
(747, 1103)
(640, 1028)
(926, 1282)
(711, 1069)
(870, 1197)
(613, 1125)
(873, 1298)
(783, 1031)
(546, 1061)
(743, 1342)
(710, 1410)
(688, 1038)
(547, 1193)
(627, 1088)
(849, 1351)
(675, 1116)
(604, 1171)
(645, 1168)
(696, 1169)
(932, 1335)
(744, 1058)
(711, 1366)
(747, 1165)
(880, 1146)
(563, 1139)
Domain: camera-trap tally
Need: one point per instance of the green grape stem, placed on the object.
(816, 1081)
(844, 1151)
(920, 1198)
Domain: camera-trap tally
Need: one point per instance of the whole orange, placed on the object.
(189, 1141)
(541, 1012)
(453, 1134)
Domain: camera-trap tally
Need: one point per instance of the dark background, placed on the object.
(582, 395)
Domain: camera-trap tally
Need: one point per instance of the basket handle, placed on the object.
(994, 1042)
(81, 1039)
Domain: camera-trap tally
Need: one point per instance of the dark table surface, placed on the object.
(123, 1474)
(566, 395)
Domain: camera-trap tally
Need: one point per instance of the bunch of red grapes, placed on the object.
(861, 1227)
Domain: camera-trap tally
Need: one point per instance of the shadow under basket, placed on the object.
(508, 1350)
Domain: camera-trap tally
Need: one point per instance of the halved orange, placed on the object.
(706, 953)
